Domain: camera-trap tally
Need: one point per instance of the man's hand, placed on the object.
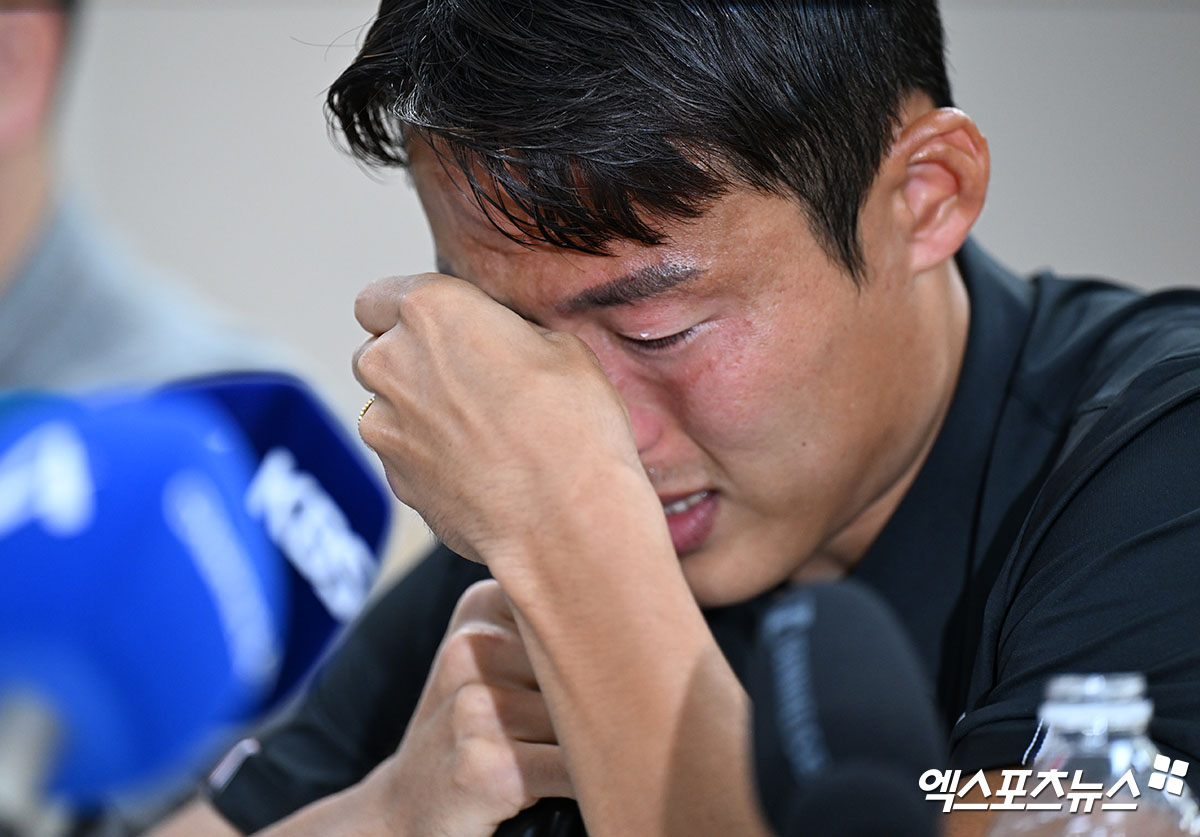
(486, 424)
(480, 746)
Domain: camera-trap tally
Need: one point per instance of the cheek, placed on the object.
(754, 392)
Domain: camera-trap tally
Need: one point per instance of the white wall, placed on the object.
(1092, 111)
(195, 127)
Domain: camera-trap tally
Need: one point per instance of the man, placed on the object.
(76, 311)
(706, 323)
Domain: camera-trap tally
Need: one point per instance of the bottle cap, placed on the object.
(1096, 702)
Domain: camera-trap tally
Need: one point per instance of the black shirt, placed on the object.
(1055, 527)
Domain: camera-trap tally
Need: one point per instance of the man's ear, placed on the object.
(31, 44)
(940, 166)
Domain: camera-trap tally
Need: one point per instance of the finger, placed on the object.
(522, 715)
(543, 770)
(355, 361)
(377, 306)
(500, 714)
(483, 652)
(375, 421)
(483, 601)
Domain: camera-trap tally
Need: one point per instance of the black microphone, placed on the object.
(550, 817)
(844, 720)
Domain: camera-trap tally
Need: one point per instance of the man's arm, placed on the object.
(1109, 582)
(547, 489)
(479, 748)
(355, 812)
(653, 721)
(196, 819)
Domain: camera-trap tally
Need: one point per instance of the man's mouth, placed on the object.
(690, 519)
(685, 503)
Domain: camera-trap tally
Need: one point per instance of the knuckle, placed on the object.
(574, 346)
(484, 764)
(368, 300)
(478, 602)
(473, 706)
(369, 364)
(372, 434)
(477, 761)
(457, 661)
(423, 301)
(480, 596)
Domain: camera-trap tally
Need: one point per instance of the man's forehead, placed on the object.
(444, 188)
(707, 255)
(467, 200)
(470, 242)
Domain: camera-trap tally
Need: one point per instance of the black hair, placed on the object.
(585, 121)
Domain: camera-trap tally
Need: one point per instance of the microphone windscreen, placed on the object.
(320, 504)
(140, 601)
(860, 800)
(836, 684)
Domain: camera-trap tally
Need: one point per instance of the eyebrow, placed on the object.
(643, 283)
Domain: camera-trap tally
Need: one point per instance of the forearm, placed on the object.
(358, 811)
(653, 722)
(654, 746)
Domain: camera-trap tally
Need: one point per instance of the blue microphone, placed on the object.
(174, 561)
(321, 505)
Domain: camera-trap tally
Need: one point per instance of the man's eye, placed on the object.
(651, 344)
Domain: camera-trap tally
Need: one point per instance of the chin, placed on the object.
(718, 579)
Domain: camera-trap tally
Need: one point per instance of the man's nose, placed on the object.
(647, 424)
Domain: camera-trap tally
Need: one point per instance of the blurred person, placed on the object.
(76, 309)
(706, 323)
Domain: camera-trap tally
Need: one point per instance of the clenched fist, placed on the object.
(489, 426)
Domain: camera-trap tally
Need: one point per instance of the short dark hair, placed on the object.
(582, 123)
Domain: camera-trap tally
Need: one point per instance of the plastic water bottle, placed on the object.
(1096, 735)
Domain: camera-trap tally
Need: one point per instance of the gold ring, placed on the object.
(366, 407)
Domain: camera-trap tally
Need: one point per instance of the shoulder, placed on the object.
(1105, 575)
(89, 313)
(1104, 571)
(1092, 344)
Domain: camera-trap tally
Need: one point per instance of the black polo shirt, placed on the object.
(1055, 527)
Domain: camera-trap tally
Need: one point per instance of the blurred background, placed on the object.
(194, 128)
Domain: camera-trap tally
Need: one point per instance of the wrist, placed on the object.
(375, 805)
(606, 520)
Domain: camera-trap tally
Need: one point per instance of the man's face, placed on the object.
(779, 410)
